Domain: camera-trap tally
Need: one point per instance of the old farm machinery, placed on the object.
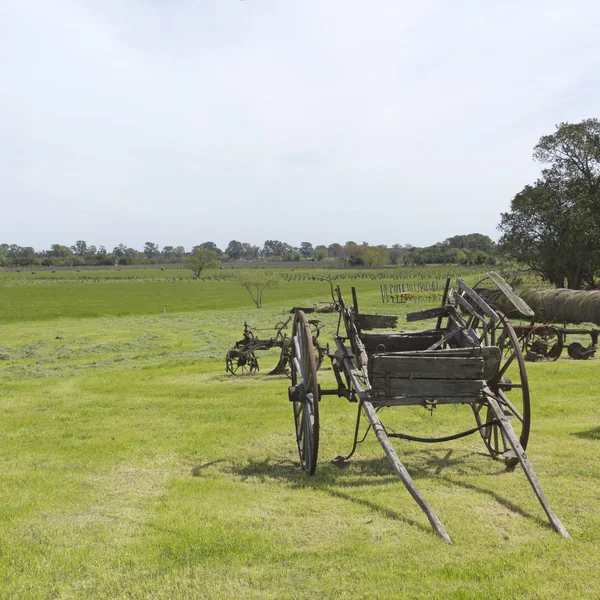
(472, 357)
(547, 333)
(242, 359)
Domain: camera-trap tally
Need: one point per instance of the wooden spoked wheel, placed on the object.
(545, 342)
(510, 388)
(239, 362)
(304, 393)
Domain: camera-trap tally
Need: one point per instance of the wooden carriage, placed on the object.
(471, 357)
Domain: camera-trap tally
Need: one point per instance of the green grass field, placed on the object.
(132, 466)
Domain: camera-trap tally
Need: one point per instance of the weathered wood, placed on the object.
(429, 313)
(444, 301)
(469, 308)
(446, 338)
(492, 357)
(512, 438)
(354, 300)
(400, 342)
(401, 471)
(378, 398)
(365, 321)
(511, 295)
(473, 295)
(428, 388)
(435, 367)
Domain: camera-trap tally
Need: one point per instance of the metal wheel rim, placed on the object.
(514, 398)
(248, 367)
(306, 409)
(549, 338)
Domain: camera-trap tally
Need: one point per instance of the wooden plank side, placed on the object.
(427, 388)
(491, 357)
(400, 342)
(515, 299)
(429, 313)
(426, 367)
(419, 401)
(366, 321)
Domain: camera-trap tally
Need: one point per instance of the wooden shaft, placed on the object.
(509, 433)
(402, 472)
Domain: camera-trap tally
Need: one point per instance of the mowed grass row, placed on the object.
(132, 466)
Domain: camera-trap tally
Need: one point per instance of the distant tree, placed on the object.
(170, 254)
(375, 256)
(255, 282)
(101, 250)
(320, 253)
(472, 241)
(210, 246)
(60, 251)
(336, 251)
(201, 259)
(250, 252)
(276, 248)
(80, 248)
(396, 254)
(235, 250)
(120, 250)
(151, 250)
(306, 249)
(354, 254)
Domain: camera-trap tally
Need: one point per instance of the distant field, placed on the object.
(132, 466)
(47, 295)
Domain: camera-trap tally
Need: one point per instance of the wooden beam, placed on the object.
(515, 299)
(509, 433)
(429, 313)
(428, 388)
(401, 471)
(366, 321)
(483, 305)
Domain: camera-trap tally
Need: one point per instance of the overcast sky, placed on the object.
(184, 121)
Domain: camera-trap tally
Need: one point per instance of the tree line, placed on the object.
(468, 249)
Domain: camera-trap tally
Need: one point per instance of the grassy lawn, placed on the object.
(132, 466)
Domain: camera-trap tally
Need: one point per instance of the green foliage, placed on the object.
(199, 260)
(471, 241)
(554, 225)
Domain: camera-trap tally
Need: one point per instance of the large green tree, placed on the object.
(553, 226)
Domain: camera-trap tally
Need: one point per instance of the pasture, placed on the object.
(132, 466)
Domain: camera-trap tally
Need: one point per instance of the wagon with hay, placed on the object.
(472, 357)
(553, 314)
